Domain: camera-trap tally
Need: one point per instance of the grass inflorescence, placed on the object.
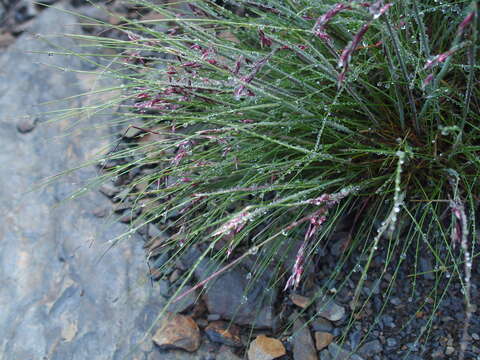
(259, 124)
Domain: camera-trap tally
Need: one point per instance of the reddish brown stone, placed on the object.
(224, 333)
(322, 339)
(265, 348)
(177, 332)
(301, 301)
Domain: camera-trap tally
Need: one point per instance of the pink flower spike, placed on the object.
(438, 59)
(322, 21)
(428, 80)
(377, 10)
(132, 36)
(297, 271)
(466, 22)
(264, 41)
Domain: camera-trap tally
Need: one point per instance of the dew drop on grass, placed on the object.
(254, 250)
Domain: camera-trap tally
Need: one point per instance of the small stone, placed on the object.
(224, 333)
(370, 348)
(338, 353)
(449, 350)
(174, 276)
(322, 339)
(395, 301)
(121, 206)
(213, 317)
(226, 354)
(100, 212)
(475, 336)
(321, 324)
(438, 354)
(265, 348)
(129, 215)
(329, 309)
(391, 342)
(109, 190)
(202, 323)
(303, 348)
(177, 332)
(122, 195)
(26, 125)
(301, 301)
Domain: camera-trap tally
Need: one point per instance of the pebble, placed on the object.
(395, 301)
(26, 125)
(226, 354)
(224, 333)
(322, 339)
(121, 206)
(449, 350)
(329, 309)
(213, 317)
(300, 301)
(109, 190)
(303, 347)
(321, 324)
(100, 212)
(265, 348)
(338, 353)
(370, 348)
(391, 342)
(177, 332)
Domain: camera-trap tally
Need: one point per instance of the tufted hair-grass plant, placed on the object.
(262, 124)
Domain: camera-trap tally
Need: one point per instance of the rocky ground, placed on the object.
(59, 302)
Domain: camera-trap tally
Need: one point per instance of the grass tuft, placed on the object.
(259, 124)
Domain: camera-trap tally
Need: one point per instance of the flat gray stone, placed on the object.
(232, 295)
(57, 300)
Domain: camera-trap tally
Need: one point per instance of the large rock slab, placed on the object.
(57, 301)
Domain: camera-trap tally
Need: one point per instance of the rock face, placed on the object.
(57, 300)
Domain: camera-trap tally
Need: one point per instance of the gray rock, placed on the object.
(226, 354)
(426, 268)
(184, 303)
(338, 353)
(321, 324)
(303, 347)
(329, 309)
(370, 348)
(58, 299)
(232, 295)
(392, 342)
(109, 189)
